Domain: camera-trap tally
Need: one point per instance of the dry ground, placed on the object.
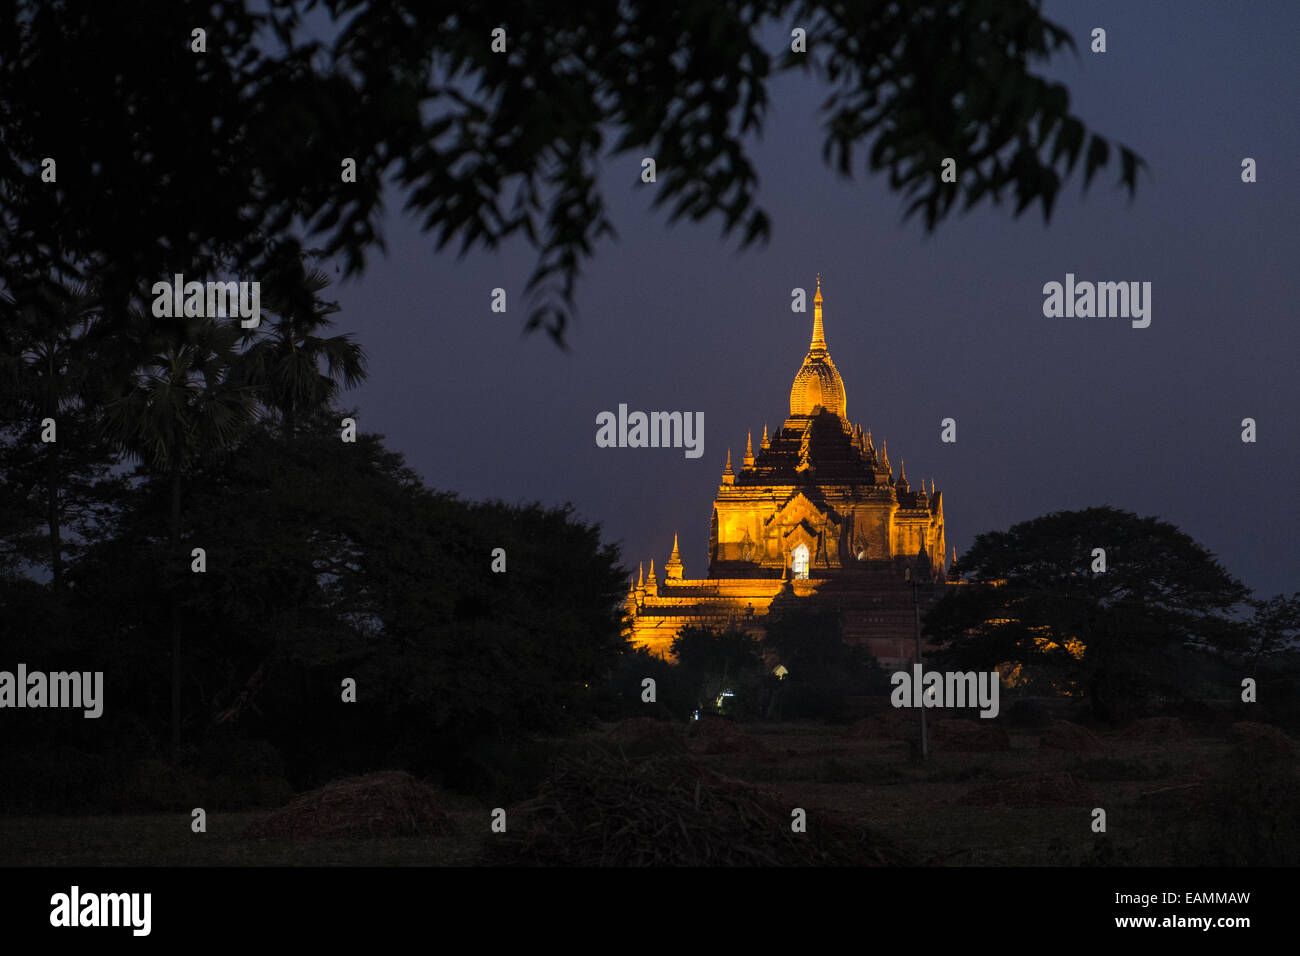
(874, 780)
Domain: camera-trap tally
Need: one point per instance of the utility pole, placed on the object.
(916, 614)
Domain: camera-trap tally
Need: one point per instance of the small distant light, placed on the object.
(696, 716)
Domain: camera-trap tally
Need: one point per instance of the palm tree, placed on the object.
(284, 359)
(182, 407)
(45, 374)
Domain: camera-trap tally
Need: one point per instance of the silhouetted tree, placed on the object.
(284, 354)
(715, 660)
(179, 410)
(1031, 598)
(47, 373)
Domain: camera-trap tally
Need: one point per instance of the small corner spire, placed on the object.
(673, 569)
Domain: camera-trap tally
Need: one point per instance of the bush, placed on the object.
(620, 696)
(1249, 815)
(232, 756)
(57, 779)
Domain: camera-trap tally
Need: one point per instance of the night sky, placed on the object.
(1052, 414)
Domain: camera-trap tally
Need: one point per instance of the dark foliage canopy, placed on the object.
(171, 160)
(1031, 597)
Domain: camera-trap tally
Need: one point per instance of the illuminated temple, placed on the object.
(815, 514)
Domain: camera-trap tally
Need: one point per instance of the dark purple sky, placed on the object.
(1052, 414)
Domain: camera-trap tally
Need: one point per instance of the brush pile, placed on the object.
(385, 804)
(886, 725)
(1261, 741)
(1155, 729)
(642, 728)
(1063, 735)
(721, 736)
(1044, 790)
(601, 809)
(968, 736)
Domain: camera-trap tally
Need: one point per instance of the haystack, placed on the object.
(1253, 739)
(714, 727)
(721, 736)
(1063, 735)
(641, 728)
(1044, 790)
(1178, 796)
(887, 725)
(1156, 729)
(385, 804)
(968, 736)
(600, 809)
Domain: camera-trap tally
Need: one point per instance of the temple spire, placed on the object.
(819, 333)
(766, 443)
(673, 569)
(749, 451)
(728, 476)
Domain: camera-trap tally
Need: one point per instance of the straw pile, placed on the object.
(1044, 790)
(887, 725)
(1156, 729)
(1254, 740)
(969, 736)
(1063, 735)
(604, 810)
(641, 728)
(721, 736)
(385, 804)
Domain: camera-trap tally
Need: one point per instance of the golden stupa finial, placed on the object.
(674, 554)
(819, 333)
